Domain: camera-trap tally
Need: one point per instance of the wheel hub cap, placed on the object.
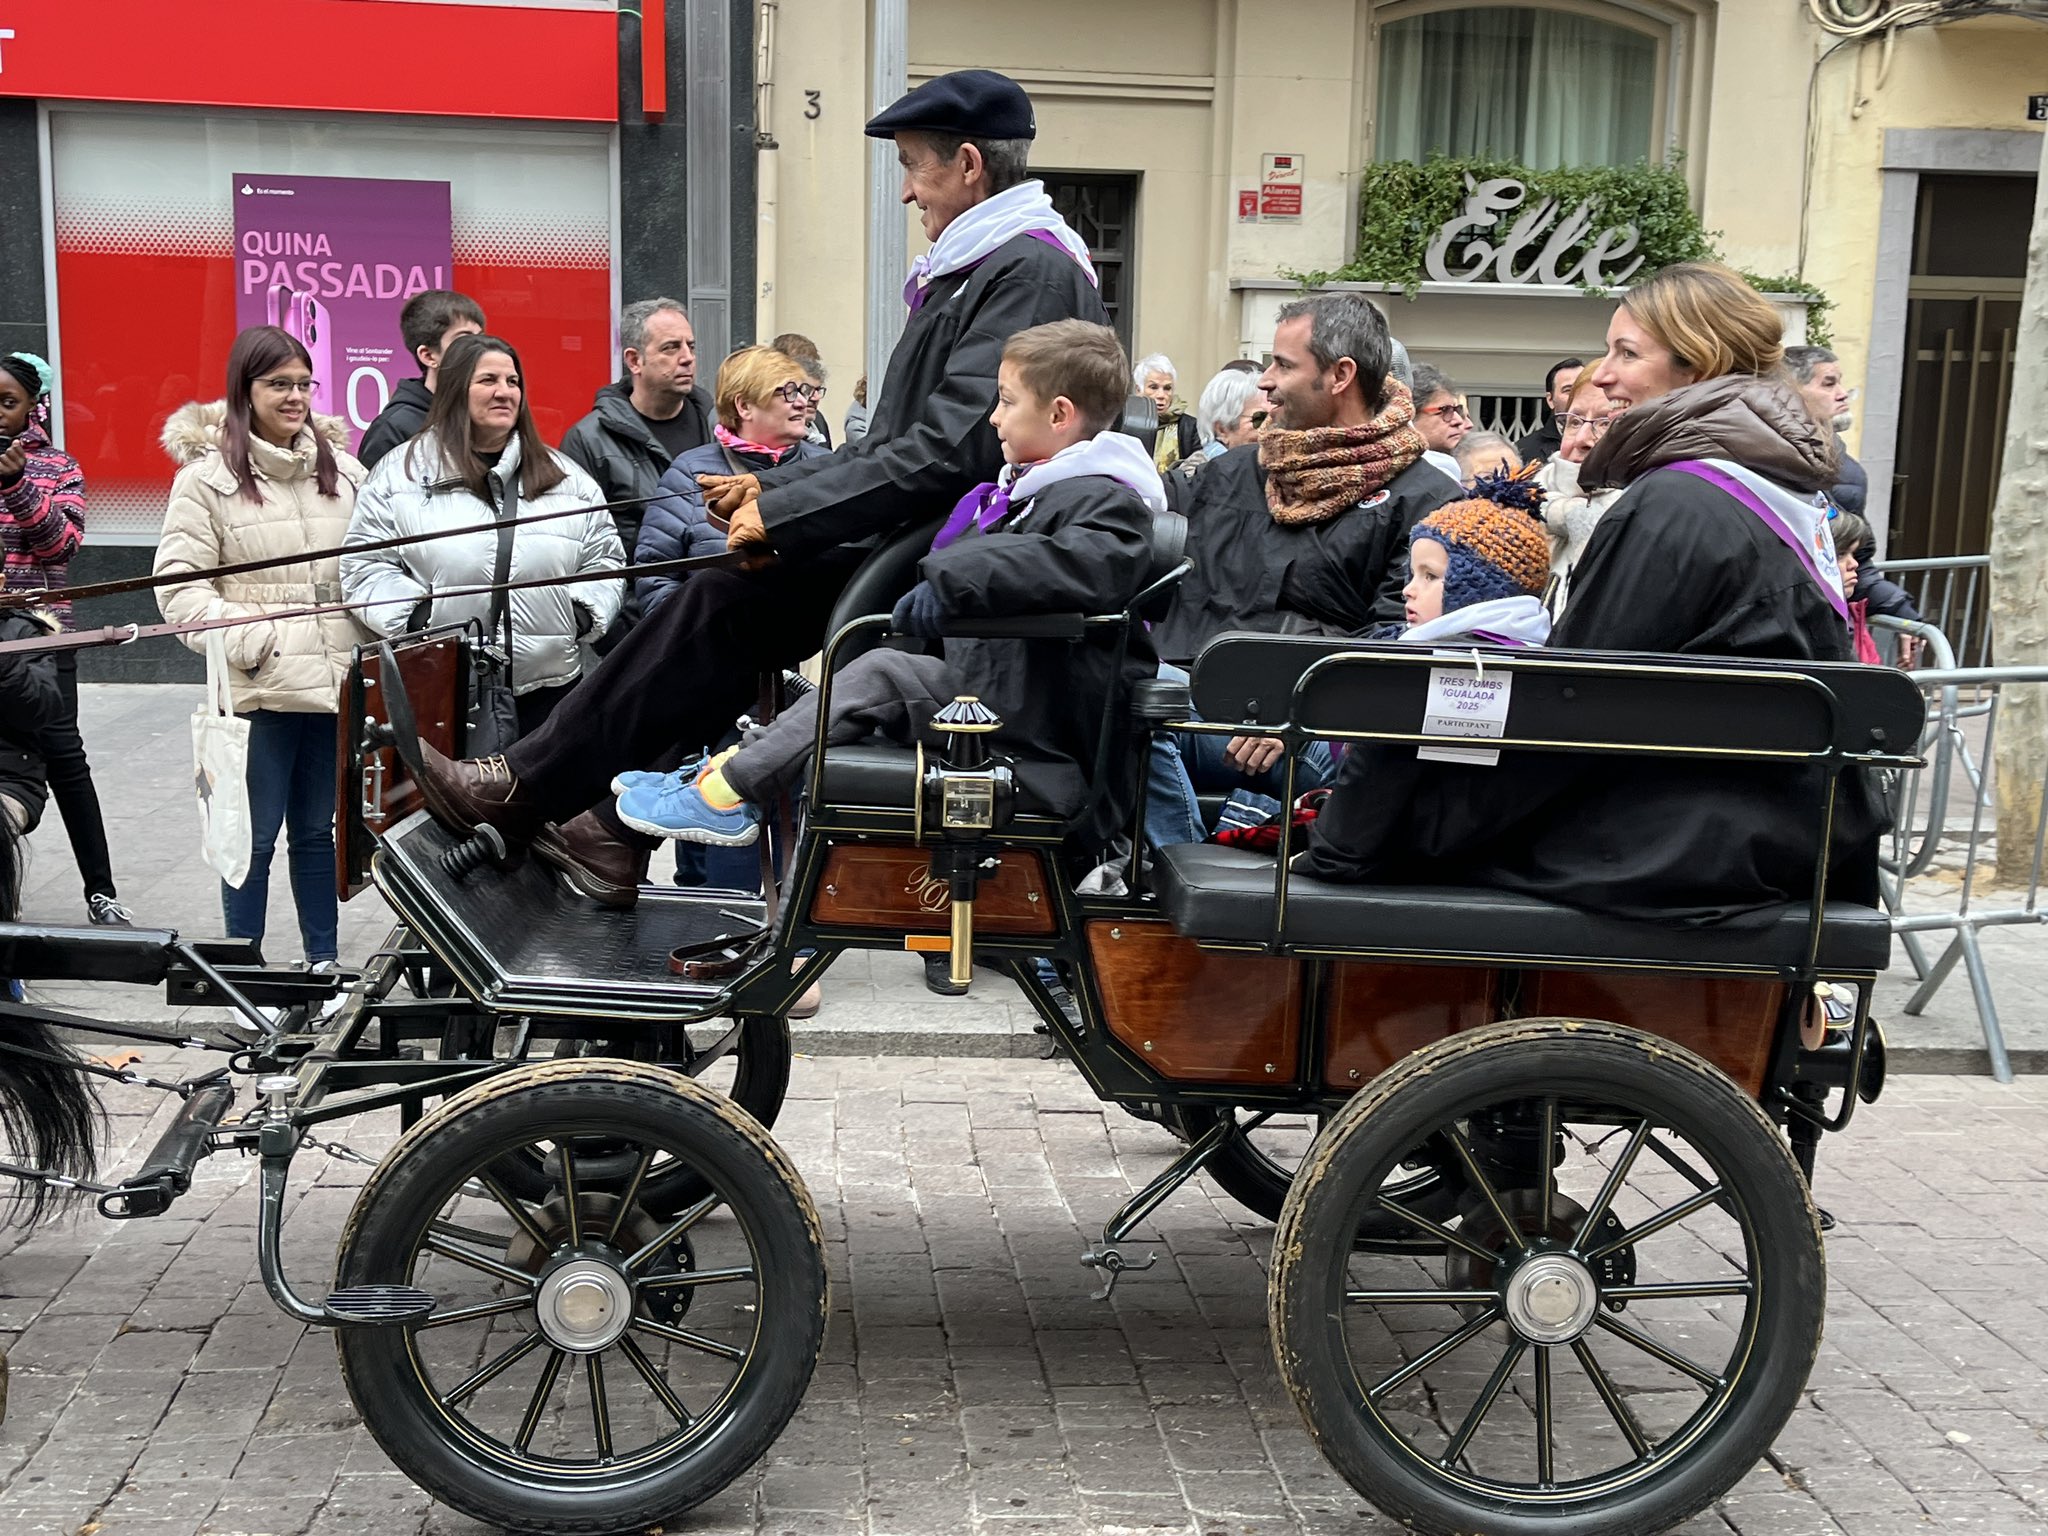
(1551, 1298)
(584, 1306)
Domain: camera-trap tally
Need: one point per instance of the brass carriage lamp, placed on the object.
(966, 795)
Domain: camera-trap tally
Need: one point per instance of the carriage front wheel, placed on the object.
(592, 1363)
(1623, 1311)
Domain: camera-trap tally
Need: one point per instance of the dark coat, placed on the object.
(928, 441)
(676, 527)
(1851, 489)
(398, 423)
(31, 703)
(1339, 577)
(627, 461)
(1544, 443)
(1085, 546)
(1675, 566)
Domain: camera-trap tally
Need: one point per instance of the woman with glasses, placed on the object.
(1441, 418)
(480, 458)
(263, 478)
(1571, 511)
(764, 401)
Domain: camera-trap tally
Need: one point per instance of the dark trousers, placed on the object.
(890, 692)
(678, 680)
(291, 785)
(534, 707)
(71, 787)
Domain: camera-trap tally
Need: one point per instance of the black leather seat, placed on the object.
(1219, 893)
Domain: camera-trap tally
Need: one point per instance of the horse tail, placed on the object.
(50, 1117)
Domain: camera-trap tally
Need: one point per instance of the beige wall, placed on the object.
(1190, 93)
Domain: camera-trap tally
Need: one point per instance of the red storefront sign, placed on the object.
(318, 55)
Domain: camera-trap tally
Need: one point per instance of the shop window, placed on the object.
(1545, 87)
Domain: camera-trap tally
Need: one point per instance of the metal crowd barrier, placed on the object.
(1954, 595)
(1950, 807)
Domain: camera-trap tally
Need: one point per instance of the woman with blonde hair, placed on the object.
(1717, 546)
(764, 414)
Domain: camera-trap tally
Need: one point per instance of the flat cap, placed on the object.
(969, 103)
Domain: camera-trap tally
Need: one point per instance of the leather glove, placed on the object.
(726, 494)
(918, 612)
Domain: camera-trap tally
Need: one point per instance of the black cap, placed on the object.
(969, 103)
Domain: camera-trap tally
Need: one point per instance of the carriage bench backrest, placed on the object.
(1576, 701)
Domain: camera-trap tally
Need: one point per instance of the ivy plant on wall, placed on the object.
(1402, 205)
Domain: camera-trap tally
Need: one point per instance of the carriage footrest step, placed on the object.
(377, 1306)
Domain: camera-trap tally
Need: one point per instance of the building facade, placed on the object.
(1210, 149)
(173, 170)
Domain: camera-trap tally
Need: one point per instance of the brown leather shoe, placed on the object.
(462, 793)
(606, 870)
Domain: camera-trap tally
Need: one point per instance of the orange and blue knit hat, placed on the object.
(1494, 543)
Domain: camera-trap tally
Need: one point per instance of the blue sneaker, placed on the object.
(675, 807)
(625, 781)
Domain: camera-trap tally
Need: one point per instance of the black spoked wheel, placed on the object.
(747, 1061)
(1258, 1166)
(1627, 1306)
(590, 1365)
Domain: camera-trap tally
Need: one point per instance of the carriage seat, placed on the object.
(1226, 894)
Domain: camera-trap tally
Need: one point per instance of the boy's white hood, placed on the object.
(1115, 454)
(1519, 620)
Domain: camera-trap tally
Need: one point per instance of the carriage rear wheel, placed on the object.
(1627, 1306)
(590, 1365)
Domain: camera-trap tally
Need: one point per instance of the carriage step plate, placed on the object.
(378, 1306)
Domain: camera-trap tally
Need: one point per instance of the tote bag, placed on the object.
(220, 769)
(494, 708)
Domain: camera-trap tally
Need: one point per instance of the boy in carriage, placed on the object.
(1065, 528)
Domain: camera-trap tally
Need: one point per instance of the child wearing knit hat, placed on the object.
(1477, 569)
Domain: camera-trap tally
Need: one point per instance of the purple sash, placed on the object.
(983, 507)
(916, 298)
(1793, 540)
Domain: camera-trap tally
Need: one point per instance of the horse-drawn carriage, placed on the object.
(1546, 1258)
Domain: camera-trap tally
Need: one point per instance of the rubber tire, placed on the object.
(760, 1084)
(587, 1097)
(1583, 1060)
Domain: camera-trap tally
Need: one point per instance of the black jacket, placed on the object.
(1339, 577)
(627, 461)
(31, 702)
(1675, 566)
(1851, 491)
(928, 441)
(398, 423)
(1545, 442)
(1083, 546)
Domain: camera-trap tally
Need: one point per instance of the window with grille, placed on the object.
(1102, 209)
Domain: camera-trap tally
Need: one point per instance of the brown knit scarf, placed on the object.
(1313, 475)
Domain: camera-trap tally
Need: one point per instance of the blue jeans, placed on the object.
(1186, 762)
(291, 785)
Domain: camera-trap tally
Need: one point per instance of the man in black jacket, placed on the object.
(429, 322)
(1547, 441)
(1002, 261)
(642, 424)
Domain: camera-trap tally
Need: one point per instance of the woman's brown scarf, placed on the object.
(1313, 475)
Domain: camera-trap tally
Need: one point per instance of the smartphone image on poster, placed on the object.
(303, 316)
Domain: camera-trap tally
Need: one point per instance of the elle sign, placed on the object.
(1559, 254)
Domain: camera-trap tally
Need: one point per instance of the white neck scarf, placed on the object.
(992, 223)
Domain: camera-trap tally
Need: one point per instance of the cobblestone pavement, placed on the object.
(969, 1383)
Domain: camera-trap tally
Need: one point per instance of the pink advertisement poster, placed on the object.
(333, 259)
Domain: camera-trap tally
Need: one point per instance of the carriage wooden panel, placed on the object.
(874, 886)
(1198, 1015)
(1731, 1021)
(435, 673)
(1378, 1014)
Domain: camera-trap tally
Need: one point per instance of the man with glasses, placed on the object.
(643, 423)
(1440, 417)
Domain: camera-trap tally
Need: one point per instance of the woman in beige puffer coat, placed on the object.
(262, 478)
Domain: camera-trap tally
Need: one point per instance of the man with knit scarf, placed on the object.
(1305, 531)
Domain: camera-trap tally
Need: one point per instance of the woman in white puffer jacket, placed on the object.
(478, 436)
(262, 478)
